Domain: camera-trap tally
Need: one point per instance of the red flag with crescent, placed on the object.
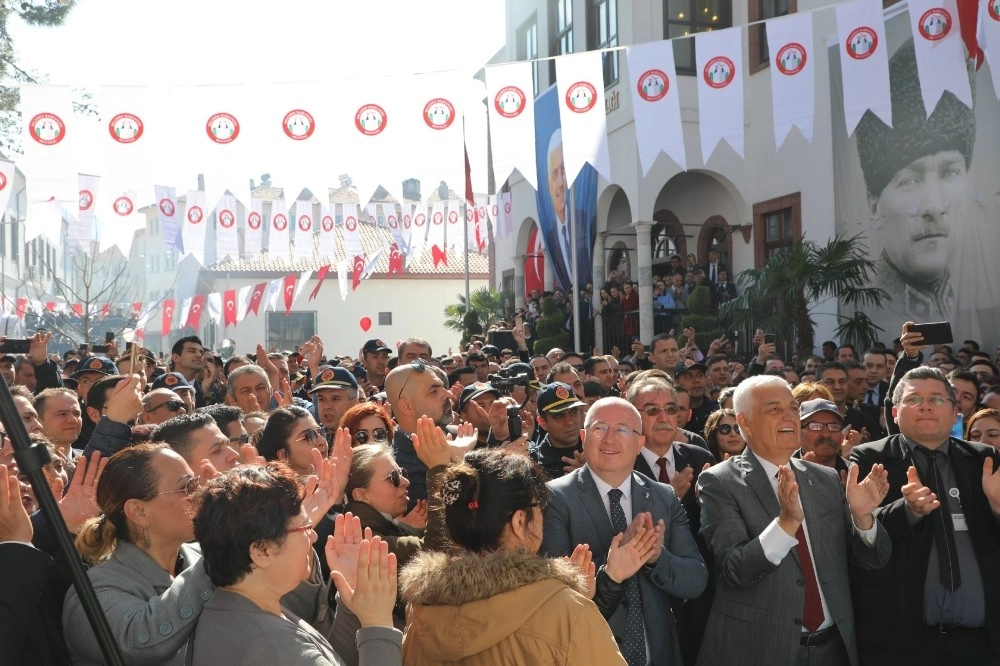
(22, 306)
(289, 291)
(168, 317)
(439, 256)
(229, 308)
(78, 309)
(256, 297)
(50, 306)
(194, 314)
(137, 309)
(395, 260)
(105, 309)
(319, 281)
(359, 268)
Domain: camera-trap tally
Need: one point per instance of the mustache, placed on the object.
(932, 231)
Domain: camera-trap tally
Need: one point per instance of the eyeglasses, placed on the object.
(602, 429)
(376, 435)
(190, 486)
(302, 528)
(312, 434)
(816, 426)
(653, 411)
(242, 439)
(726, 428)
(171, 405)
(395, 477)
(918, 400)
(416, 366)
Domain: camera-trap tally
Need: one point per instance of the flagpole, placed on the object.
(575, 268)
(465, 244)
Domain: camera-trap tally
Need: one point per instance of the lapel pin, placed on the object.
(646, 495)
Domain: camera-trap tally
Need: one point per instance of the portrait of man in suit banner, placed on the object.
(923, 193)
(553, 198)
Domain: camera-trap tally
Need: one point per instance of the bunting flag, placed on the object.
(656, 103)
(226, 236)
(195, 225)
(352, 230)
(406, 227)
(168, 317)
(493, 214)
(129, 133)
(302, 283)
(278, 233)
(254, 230)
(170, 221)
(357, 268)
(214, 304)
(20, 307)
(145, 315)
(439, 256)
(793, 78)
(506, 215)
(940, 51)
(370, 130)
(229, 311)
(327, 233)
(371, 210)
(51, 137)
(137, 309)
(185, 310)
(324, 269)
(454, 233)
(105, 309)
(720, 89)
(193, 319)
(288, 290)
(511, 108)
(119, 220)
(303, 230)
(395, 260)
(584, 133)
(434, 130)
(78, 309)
(343, 277)
(435, 231)
(243, 296)
(392, 222)
(989, 38)
(7, 170)
(80, 230)
(256, 298)
(864, 61)
(274, 289)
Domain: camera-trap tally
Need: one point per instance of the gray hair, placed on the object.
(241, 371)
(923, 372)
(743, 396)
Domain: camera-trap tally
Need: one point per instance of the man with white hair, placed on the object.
(781, 532)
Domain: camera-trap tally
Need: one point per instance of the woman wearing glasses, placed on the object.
(368, 424)
(290, 435)
(723, 434)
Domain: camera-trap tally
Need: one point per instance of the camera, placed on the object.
(504, 382)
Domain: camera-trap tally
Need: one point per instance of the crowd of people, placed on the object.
(665, 506)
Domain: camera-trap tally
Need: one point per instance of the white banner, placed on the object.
(392, 223)
(132, 129)
(50, 142)
(277, 231)
(7, 169)
(511, 107)
(170, 218)
(352, 231)
(406, 227)
(793, 75)
(81, 229)
(45, 220)
(418, 232)
(254, 230)
(454, 229)
(304, 228)
(864, 61)
(243, 301)
(506, 216)
(194, 225)
(371, 210)
(435, 231)
(720, 89)
(227, 240)
(940, 51)
(370, 126)
(274, 289)
(327, 233)
(580, 84)
(344, 277)
(493, 214)
(656, 103)
(119, 219)
(435, 149)
(989, 38)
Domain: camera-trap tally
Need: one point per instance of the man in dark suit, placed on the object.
(781, 531)
(939, 600)
(714, 268)
(558, 235)
(605, 497)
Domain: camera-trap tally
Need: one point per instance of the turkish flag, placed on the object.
(359, 268)
(256, 297)
(395, 260)
(168, 317)
(468, 180)
(50, 306)
(78, 309)
(439, 256)
(22, 306)
(319, 281)
(137, 309)
(229, 308)
(289, 291)
(194, 314)
(968, 17)
(105, 309)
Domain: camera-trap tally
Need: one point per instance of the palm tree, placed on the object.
(485, 307)
(781, 296)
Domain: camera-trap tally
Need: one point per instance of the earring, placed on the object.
(144, 538)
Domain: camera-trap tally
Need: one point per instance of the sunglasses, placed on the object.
(725, 429)
(242, 439)
(171, 405)
(653, 411)
(190, 486)
(416, 366)
(376, 435)
(313, 435)
(396, 477)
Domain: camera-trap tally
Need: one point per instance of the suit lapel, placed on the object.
(680, 459)
(756, 479)
(593, 504)
(642, 499)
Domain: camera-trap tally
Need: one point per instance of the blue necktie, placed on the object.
(634, 645)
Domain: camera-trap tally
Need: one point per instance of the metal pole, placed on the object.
(574, 260)
(465, 215)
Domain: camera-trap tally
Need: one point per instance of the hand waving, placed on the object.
(865, 497)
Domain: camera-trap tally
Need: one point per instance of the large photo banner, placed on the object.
(924, 192)
(553, 198)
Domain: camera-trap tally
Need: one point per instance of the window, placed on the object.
(527, 49)
(777, 224)
(507, 281)
(604, 34)
(560, 16)
(761, 10)
(385, 319)
(288, 332)
(687, 17)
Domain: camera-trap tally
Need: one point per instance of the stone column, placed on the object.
(599, 278)
(644, 259)
(519, 301)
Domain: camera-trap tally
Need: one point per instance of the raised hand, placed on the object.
(322, 489)
(583, 559)
(80, 501)
(991, 485)
(576, 462)
(284, 396)
(681, 481)
(341, 548)
(697, 493)
(624, 560)
(15, 525)
(791, 516)
(125, 401)
(911, 341)
(373, 596)
(851, 439)
(919, 497)
(864, 497)
(38, 347)
(268, 366)
(431, 446)
(417, 517)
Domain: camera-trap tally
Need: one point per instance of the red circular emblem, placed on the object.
(452, 217)
(96, 364)
(482, 212)
(195, 214)
(86, 199)
(438, 218)
(298, 125)
(125, 128)
(419, 219)
(439, 113)
(861, 43)
(935, 24)
(993, 9)
(506, 207)
(280, 221)
(371, 119)
(495, 210)
(351, 223)
(653, 85)
(470, 214)
(226, 218)
(791, 59)
(47, 129)
(719, 72)
(509, 101)
(562, 393)
(327, 223)
(326, 376)
(167, 207)
(222, 128)
(3, 180)
(581, 97)
(392, 221)
(305, 223)
(254, 220)
(123, 206)
(170, 379)
(407, 220)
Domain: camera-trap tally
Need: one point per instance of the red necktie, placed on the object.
(812, 611)
(664, 477)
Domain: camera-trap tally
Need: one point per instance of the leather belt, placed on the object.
(820, 637)
(955, 629)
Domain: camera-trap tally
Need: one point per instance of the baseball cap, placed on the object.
(522, 368)
(810, 407)
(557, 397)
(491, 350)
(334, 378)
(99, 364)
(375, 346)
(171, 380)
(683, 367)
(473, 391)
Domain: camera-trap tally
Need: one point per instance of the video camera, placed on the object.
(504, 382)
